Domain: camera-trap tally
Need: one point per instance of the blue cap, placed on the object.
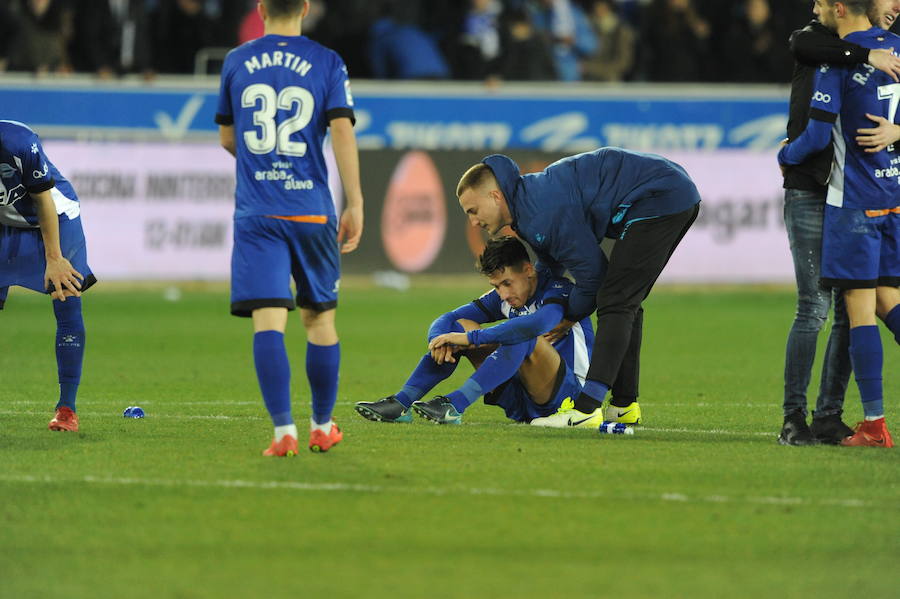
(133, 412)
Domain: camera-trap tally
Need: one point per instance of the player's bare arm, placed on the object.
(887, 61)
(60, 275)
(877, 138)
(343, 140)
(226, 138)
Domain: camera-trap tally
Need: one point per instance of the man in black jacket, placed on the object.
(805, 186)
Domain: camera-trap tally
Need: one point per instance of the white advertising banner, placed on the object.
(152, 211)
(739, 236)
(164, 211)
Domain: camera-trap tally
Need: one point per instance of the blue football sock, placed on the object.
(70, 339)
(892, 320)
(322, 363)
(423, 379)
(273, 370)
(867, 358)
(497, 368)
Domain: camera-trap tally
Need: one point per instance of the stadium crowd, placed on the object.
(492, 40)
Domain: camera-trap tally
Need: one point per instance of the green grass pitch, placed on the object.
(701, 502)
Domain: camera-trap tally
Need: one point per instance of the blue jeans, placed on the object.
(804, 212)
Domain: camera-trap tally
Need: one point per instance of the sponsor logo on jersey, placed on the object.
(821, 97)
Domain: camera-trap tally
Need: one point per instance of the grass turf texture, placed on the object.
(700, 502)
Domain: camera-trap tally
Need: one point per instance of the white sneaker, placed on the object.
(567, 416)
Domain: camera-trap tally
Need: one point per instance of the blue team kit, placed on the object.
(536, 317)
(861, 233)
(25, 169)
(565, 211)
(280, 93)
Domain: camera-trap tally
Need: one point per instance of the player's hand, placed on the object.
(62, 279)
(880, 137)
(454, 339)
(559, 331)
(443, 354)
(884, 60)
(350, 229)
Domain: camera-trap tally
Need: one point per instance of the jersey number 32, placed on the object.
(271, 134)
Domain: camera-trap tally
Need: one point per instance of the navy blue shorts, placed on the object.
(860, 248)
(268, 252)
(23, 261)
(517, 403)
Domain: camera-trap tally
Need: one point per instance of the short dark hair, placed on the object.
(857, 7)
(503, 252)
(278, 9)
(476, 176)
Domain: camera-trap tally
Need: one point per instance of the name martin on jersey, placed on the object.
(287, 60)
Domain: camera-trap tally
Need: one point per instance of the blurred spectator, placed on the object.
(756, 52)
(7, 30)
(527, 56)
(477, 51)
(570, 31)
(180, 29)
(615, 58)
(402, 51)
(41, 33)
(675, 39)
(111, 37)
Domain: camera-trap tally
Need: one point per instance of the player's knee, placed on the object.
(468, 325)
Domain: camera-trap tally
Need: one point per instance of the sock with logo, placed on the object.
(70, 339)
(322, 363)
(892, 320)
(591, 396)
(273, 371)
(500, 366)
(867, 357)
(423, 379)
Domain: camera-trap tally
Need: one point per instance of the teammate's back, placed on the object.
(282, 92)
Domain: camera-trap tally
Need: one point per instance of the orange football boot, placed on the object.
(320, 442)
(287, 447)
(65, 419)
(870, 433)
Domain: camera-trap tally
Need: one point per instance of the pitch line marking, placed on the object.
(259, 402)
(436, 491)
(164, 416)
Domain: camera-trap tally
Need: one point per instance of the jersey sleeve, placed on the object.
(823, 113)
(572, 243)
(339, 99)
(36, 175)
(815, 44)
(475, 311)
(521, 328)
(224, 110)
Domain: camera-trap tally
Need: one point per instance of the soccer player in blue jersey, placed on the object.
(42, 248)
(515, 367)
(861, 233)
(279, 95)
(644, 201)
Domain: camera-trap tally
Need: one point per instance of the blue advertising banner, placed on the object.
(433, 116)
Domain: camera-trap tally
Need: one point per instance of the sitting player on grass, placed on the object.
(515, 367)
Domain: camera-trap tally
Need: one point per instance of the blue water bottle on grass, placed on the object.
(615, 428)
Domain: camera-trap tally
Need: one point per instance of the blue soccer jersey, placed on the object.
(280, 93)
(574, 348)
(25, 169)
(843, 96)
